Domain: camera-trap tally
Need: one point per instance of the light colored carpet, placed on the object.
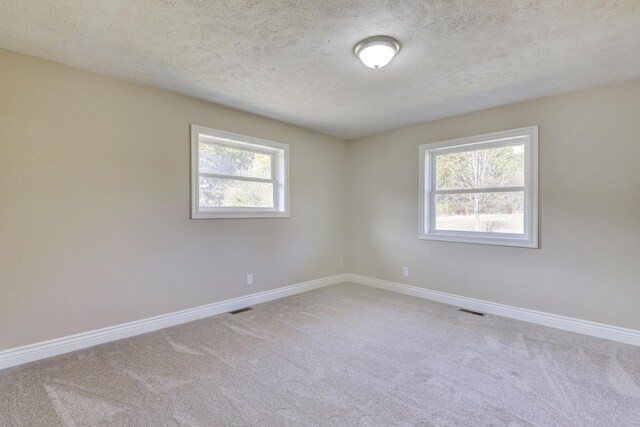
(346, 355)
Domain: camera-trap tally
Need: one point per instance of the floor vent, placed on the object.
(242, 310)
(477, 313)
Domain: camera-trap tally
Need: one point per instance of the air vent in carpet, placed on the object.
(242, 310)
(477, 313)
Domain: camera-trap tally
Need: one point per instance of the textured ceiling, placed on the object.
(293, 60)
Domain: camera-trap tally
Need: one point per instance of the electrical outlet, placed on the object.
(405, 271)
(250, 279)
(340, 262)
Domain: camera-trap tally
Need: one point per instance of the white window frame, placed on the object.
(527, 136)
(279, 174)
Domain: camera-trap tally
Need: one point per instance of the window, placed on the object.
(482, 189)
(237, 176)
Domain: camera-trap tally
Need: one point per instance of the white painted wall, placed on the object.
(588, 266)
(94, 205)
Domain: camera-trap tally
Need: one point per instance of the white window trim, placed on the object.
(530, 237)
(279, 174)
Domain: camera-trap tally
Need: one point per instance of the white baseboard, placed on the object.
(614, 333)
(42, 350)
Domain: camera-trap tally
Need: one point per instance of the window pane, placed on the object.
(482, 212)
(216, 192)
(487, 168)
(231, 161)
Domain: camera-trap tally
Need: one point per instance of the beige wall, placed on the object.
(588, 266)
(94, 205)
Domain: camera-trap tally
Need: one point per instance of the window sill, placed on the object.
(231, 214)
(481, 240)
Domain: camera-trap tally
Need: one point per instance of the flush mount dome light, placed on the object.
(378, 51)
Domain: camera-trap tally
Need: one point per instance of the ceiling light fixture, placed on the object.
(378, 51)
